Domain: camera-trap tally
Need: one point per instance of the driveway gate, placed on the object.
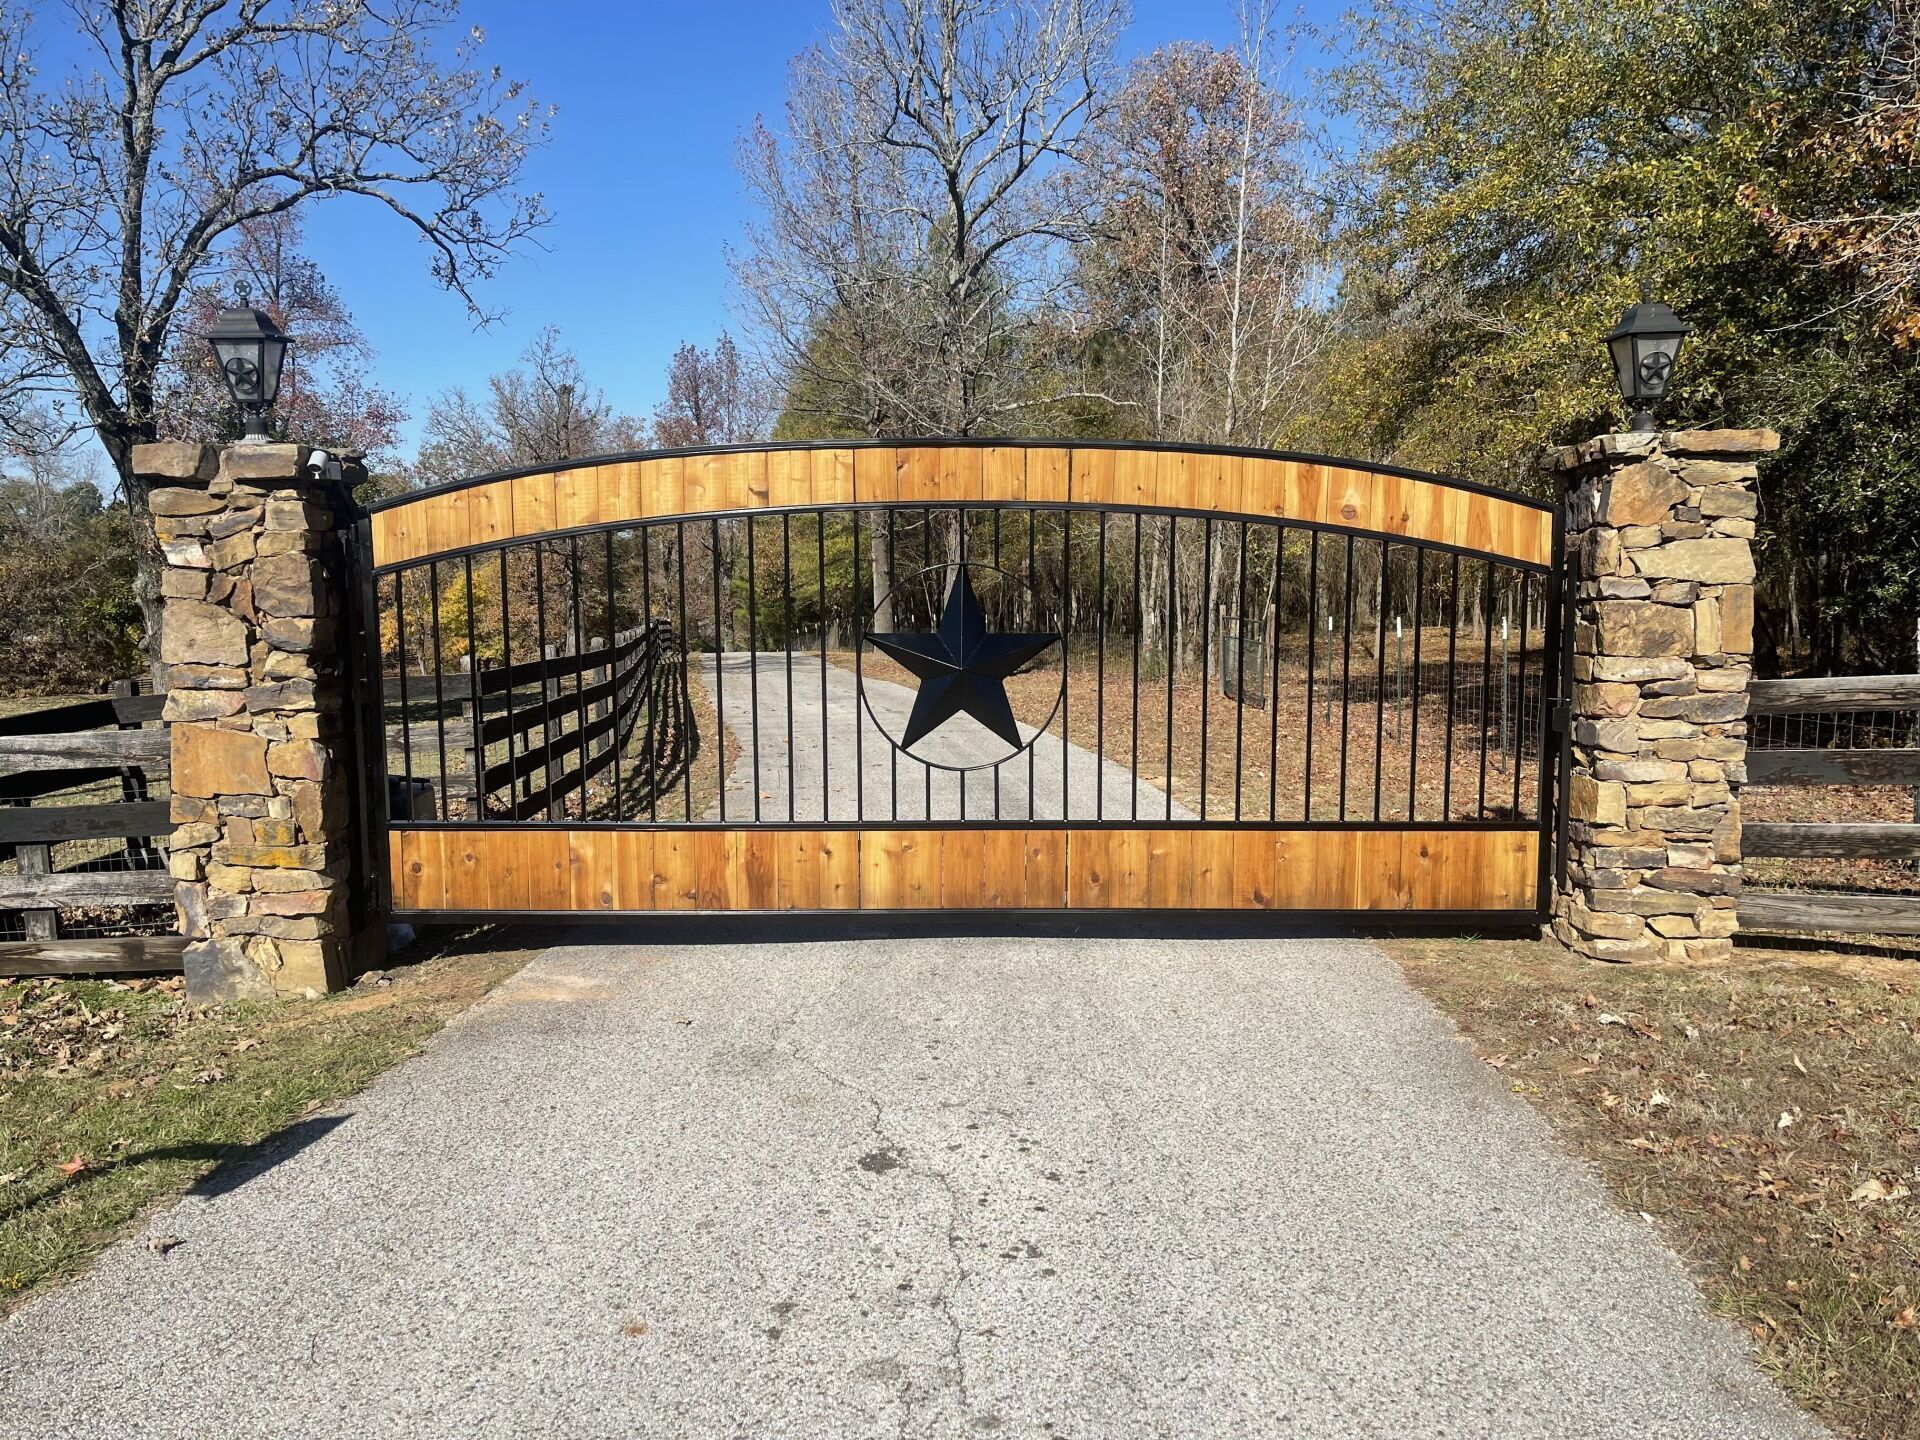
(974, 676)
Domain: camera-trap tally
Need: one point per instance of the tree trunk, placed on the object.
(148, 563)
(882, 585)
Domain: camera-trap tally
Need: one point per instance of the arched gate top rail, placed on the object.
(1309, 489)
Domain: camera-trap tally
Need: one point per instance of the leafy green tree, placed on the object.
(70, 623)
(1524, 166)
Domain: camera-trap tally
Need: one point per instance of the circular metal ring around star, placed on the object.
(926, 647)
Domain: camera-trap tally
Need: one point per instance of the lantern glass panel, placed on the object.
(241, 366)
(1622, 348)
(1654, 364)
(273, 358)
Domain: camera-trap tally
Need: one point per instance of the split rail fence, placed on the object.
(83, 825)
(1811, 716)
(515, 741)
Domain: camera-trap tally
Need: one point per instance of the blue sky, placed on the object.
(640, 178)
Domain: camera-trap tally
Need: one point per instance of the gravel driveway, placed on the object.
(824, 713)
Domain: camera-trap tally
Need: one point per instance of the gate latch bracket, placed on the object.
(1560, 715)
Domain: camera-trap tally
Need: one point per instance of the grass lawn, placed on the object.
(115, 1096)
(1764, 1115)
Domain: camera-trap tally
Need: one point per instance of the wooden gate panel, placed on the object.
(1302, 489)
(655, 871)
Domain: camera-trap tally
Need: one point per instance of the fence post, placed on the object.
(253, 592)
(1661, 529)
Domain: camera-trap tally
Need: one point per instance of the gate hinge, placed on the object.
(1560, 715)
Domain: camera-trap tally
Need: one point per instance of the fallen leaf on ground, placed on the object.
(1868, 1191)
(161, 1244)
(1608, 1018)
(72, 1167)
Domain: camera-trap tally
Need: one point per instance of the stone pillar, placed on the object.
(253, 588)
(1661, 528)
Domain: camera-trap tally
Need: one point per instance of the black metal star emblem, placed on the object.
(961, 667)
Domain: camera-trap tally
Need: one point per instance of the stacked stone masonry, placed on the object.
(1661, 527)
(261, 843)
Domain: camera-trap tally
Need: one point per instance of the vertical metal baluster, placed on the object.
(1100, 680)
(1486, 679)
(1066, 658)
(439, 694)
(1133, 726)
(960, 530)
(1313, 637)
(478, 738)
(578, 578)
(1453, 684)
(1413, 729)
(1273, 675)
(651, 682)
(1206, 650)
(786, 598)
(506, 688)
(544, 667)
(719, 664)
(998, 764)
(926, 551)
(685, 717)
(1173, 615)
(753, 662)
(406, 709)
(1380, 679)
(893, 751)
(826, 773)
(1520, 696)
(1240, 672)
(1346, 674)
(858, 619)
(1033, 593)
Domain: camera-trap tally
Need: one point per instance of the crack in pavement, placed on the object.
(940, 1301)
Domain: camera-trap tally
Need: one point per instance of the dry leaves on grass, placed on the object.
(1766, 1115)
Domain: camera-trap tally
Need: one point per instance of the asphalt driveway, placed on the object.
(1067, 1186)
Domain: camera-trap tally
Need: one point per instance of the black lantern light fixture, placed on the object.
(1645, 346)
(250, 351)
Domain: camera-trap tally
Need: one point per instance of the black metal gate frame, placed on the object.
(1551, 820)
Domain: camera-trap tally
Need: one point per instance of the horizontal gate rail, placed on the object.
(1307, 490)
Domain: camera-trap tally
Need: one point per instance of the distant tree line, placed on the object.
(971, 218)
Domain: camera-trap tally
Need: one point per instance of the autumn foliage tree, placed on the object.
(542, 411)
(710, 399)
(1523, 167)
(1206, 259)
(325, 397)
(1845, 193)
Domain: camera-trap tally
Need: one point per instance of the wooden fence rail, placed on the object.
(525, 740)
(594, 724)
(43, 752)
(1883, 914)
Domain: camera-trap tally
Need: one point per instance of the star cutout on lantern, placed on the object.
(962, 668)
